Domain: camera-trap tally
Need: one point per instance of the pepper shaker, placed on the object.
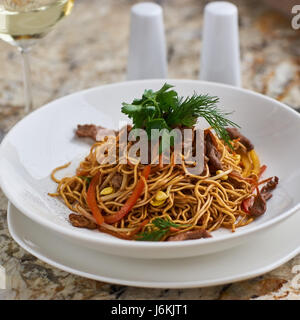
(220, 59)
(147, 46)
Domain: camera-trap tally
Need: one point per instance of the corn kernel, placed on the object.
(237, 157)
(161, 196)
(155, 203)
(225, 177)
(106, 191)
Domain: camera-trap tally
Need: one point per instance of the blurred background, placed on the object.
(90, 48)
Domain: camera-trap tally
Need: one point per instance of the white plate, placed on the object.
(281, 244)
(45, 139)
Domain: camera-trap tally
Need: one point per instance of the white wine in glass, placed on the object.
(23, 22)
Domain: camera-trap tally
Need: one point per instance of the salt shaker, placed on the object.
(147, 47)
(220, 58)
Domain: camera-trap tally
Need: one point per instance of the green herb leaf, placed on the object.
(88, 179)
(190, 109)
(161, 229)
(138, 113)
(167, 100)
(156, 235)
(164, 109)
(162, 223)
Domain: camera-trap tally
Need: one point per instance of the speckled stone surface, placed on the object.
(90, 48)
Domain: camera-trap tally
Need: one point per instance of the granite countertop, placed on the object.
(89, 48)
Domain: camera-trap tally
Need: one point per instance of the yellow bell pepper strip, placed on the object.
(255, 162)
(246, 164)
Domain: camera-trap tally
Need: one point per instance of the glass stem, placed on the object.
(27, 80)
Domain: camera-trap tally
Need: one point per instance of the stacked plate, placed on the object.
(45, 139)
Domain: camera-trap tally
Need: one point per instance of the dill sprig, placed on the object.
(160, 230)
(191, 108)
(164, 109)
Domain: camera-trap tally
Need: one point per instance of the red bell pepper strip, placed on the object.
(262, 170)
(81, 173)
(247, 203)
(120, 235)
(132, 200)
(238, 176)
(91, 199)
(113, 233)
(264, 181)
(139, 228)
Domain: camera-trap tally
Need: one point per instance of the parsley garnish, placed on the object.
(161, 228)
(164, 109)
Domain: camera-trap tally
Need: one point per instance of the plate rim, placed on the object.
(143, 284)
(142, 244)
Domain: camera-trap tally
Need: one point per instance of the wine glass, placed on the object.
(23, 22)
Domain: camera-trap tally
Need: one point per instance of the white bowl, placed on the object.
(281, 242)
(45, 139)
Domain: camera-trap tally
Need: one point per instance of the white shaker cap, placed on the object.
(147, 47)
(220, 57)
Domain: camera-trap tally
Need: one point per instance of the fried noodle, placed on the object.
(207, 201)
